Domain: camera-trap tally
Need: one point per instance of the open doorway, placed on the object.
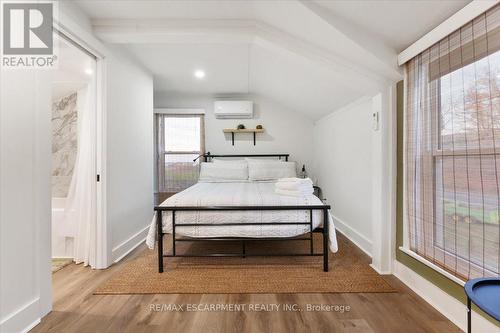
(74, 147)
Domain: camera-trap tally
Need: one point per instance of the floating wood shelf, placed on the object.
(245, 130)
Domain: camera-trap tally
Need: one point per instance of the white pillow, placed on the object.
(223, 171)
(270, 170)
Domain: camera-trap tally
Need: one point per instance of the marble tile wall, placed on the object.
(64, 143)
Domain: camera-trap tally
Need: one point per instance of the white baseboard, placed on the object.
(354, 236)
(22, 319)
(120, 251)
(379, 271)
(449, 306)
(31, 326)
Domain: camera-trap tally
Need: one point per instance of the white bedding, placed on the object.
(239, 194)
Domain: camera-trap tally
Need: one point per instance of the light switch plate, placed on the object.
(375, 121)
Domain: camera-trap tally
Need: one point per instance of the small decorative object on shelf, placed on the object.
(303, 172)
(253, 131)
(241, 126)
(259, 127)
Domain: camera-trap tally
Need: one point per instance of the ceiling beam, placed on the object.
(153, 31)
(272, 38)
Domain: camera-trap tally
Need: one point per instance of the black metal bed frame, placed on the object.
(243, 240)
(208, 156)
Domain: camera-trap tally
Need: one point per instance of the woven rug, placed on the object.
(349, 272)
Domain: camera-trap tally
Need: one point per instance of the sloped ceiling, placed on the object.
(311, 57)
(396, 24)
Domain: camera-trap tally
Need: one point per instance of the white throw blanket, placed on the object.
(240, 194)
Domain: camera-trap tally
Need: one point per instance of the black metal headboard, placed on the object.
(208, 156)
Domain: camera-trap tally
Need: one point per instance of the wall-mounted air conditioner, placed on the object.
(233, 109)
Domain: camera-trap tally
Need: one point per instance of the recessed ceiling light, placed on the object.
(88, 71)
(199, 74)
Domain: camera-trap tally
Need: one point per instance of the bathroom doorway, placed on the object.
(74, 151)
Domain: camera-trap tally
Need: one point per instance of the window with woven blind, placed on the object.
(452, 150)
(180, 139)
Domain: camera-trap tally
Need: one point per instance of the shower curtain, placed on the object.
(80, 213)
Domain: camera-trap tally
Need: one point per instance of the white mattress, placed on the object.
(239, 194)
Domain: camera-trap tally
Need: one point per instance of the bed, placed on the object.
(240, 210)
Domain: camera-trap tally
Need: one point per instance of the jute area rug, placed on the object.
(349, 271)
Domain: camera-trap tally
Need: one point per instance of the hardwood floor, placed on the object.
(76, 309)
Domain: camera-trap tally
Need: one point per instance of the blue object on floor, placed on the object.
(485, 293)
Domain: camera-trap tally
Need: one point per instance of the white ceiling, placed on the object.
(173, 65)
(301, 85)
(70, 74)
(397, 23)
(295, 82)
(311, 57)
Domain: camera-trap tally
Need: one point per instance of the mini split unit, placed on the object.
(233, 109)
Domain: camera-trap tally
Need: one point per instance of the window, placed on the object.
(452, 150)
(179, 141)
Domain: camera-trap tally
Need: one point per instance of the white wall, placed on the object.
(384, 164)
(25, 172)
(343, 157)
(129, 146)
(25, 194)
(286, 131)
(127, 171)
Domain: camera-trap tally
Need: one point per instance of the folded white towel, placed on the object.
(293, 193)
(294, 184)
(295, 180)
